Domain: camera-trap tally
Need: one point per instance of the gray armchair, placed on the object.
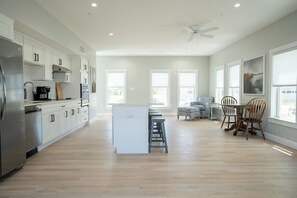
(197, 109)
(203, 103)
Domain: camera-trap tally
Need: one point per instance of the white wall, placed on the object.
(138, 76)
(257, 44)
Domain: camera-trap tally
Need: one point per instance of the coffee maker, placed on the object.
(42, 93)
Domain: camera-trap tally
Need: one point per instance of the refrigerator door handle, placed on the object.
(4, 92)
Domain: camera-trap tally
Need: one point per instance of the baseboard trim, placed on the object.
(281, 140)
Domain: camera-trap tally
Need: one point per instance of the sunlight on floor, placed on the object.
(280, 149)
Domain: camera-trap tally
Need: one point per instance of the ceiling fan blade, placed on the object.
(191, 38)
(209, 29)
(207, 35)
(189, 29)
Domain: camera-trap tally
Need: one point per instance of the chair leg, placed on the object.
(247, 131)
(228, 122)
(223, 121)
(261, 129)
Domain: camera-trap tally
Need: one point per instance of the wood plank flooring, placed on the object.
(203, 161)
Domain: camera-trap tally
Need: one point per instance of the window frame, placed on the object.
(196, 83)
(274, 100)
(107, 104)
(232, 64)
(223, 87)
(169, 89)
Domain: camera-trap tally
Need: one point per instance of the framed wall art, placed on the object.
(93, 79)
(253, 76)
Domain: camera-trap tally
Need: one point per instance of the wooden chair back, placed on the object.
(227, 100)
(255, 109)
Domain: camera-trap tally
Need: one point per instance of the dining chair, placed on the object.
(254, 111)
(228, 111)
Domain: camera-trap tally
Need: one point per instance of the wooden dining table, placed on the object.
(239, 113)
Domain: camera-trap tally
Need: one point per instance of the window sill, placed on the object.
(282, 123)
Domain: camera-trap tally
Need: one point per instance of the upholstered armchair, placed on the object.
(197, 109)
(203, 103)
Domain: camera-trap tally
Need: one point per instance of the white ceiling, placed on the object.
(156, 27)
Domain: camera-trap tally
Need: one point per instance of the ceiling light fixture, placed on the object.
(236, 5)
(110, 34)
(94, 4)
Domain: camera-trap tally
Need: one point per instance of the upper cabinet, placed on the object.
(84, 65)
(44, 72)
(6, 27)
(61, 59)
(33, 51)
(84, 71)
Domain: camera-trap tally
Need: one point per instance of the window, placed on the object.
(234, 83)
(160, 86)
(219, 84)
(284, 84)
(116, 87)
(187, 81)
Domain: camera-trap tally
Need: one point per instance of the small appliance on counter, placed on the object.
(42, 93)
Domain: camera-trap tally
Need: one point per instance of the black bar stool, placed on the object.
(152, 114)
(160, 123)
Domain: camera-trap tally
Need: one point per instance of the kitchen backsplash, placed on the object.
(29, 88)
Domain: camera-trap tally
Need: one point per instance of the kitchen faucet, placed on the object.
(25, 90)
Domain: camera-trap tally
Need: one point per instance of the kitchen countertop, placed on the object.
(46, 102)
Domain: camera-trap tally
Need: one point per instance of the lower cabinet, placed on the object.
(84, 114)
(60, 118)
(50, 124)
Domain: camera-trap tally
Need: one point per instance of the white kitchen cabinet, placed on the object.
(33, 51)
(18, 38)
(62, 77)
(6, 27)
(44, 72)
(61, 59)
(84, 114)
(84, 70)
(50, 123)
(64, 118)
(84, 78)
(84, 67)
(130, 128)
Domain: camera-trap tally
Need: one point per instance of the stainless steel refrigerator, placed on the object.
(12, 116)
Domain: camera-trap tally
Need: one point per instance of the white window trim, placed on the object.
(238, 62)
(196, 82)
(107, 106)
(216, 69)
(272, 52)
(169, 88)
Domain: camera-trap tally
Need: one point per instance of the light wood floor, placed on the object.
(203, 161)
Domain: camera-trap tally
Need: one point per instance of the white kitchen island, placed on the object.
(130, 129)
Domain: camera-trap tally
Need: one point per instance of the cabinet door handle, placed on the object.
(72, 111)
(66, 76)
(34, 57)
(85, 67)
(77, 110)
(37, 57)
(66, 114)
(52, 117)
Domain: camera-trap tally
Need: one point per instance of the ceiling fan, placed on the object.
(198, 30)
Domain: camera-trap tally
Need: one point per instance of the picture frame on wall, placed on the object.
(254, 76)
(93, 79)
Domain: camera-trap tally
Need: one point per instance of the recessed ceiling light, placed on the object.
(94, 4)
(236, 5)
(110, 34)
